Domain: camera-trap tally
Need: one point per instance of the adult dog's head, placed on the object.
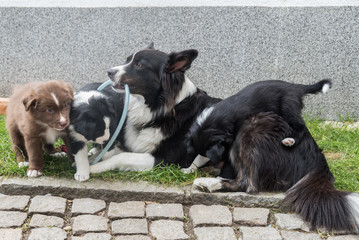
(155, 75)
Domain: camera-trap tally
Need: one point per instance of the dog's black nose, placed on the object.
(111, 72)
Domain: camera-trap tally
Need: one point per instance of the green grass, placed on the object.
(62, 168)
(340, 146)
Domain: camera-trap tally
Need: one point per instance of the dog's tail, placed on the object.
(321, 86)
(316, 200)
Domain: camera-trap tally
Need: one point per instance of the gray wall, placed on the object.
(237, 45)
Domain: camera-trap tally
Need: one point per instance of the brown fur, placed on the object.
(33, 121)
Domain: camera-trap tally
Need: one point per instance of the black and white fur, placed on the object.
(94, 116)
(262, 163)
(164, 103)
(215, 129)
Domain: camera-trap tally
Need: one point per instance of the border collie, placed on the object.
(94, 118)
(164, 103)
(216, 127)
(37, 115)
(262, 163)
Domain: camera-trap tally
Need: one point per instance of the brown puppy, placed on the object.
(37, 115)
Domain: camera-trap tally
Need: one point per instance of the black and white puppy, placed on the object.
(217, 126)
(164, 103)
(94, 117)
(262, 163)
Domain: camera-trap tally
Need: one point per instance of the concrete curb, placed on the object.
(131, 191)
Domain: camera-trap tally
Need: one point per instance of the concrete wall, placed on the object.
(238, 43)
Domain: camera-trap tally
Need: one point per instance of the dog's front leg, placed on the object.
(125, 161)
(82, 165)
(34, 150)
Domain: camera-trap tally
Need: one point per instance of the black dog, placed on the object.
(94, 118)
(164, 103)
(262, 163)
(215, 129)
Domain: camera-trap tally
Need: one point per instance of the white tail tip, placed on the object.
(326, 88)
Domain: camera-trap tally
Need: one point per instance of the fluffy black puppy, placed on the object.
(94, 117)
(262, 163)
(217, 126)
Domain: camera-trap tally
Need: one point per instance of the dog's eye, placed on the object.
(66, 105)
(139, 65)
(49, 110)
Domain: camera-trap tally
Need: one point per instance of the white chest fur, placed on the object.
(51, 135)
(139, 139)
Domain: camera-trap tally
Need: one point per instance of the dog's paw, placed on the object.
(93, 151)
(58, 154)
(288, 142)
(34, 173)
(23, 164)
(188, 170)
(81, 176)
(208, 184)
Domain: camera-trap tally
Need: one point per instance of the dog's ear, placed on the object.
(30, 101)
(151, 46)
(70, 91)
(87, 129)
(215, 152)
(180, 61)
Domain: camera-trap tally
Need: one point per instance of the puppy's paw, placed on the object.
(288, 142)
(82, 176)
(93, 151)
(23, 164)
(34, 173)
(188, 170)
(208, 184)
(58, 154)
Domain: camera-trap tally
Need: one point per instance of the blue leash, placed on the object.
(120, 124)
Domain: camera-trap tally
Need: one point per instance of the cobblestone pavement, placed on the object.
(48, 208)
(49, 217)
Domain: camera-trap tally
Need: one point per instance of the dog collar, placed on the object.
(120, 124)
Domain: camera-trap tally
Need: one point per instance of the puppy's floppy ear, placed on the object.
(30, 101)
(180, 61)
(215, 152)
(70, 91)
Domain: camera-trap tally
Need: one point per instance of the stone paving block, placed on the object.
(290, 222)
(87, 206)
(89, 223)
(39, 221)
(129, 226)
(168, 229)
(344, 237)
(48, 205)
(215, 214)
(94, 236)
(288, 235)
(126, 209)
(10, 234)
(215, 233)
(10, 219)
(251, 216)
(13, 202)
(155, 211)
(259, 233)
(47, 234)
(133, 237)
